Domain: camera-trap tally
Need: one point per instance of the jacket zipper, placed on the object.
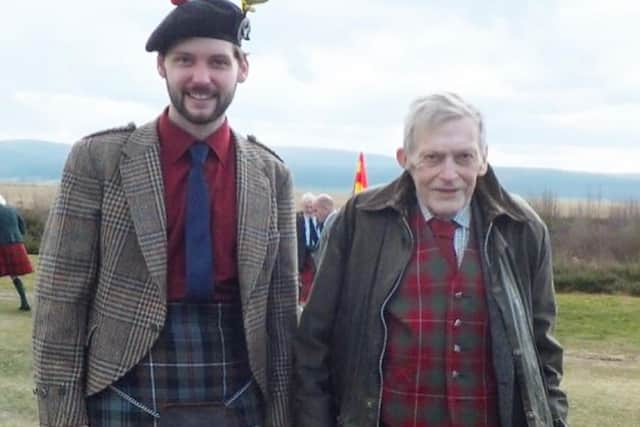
(384, 324)
(486, 244)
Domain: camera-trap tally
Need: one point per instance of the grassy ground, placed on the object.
(601, 334)
(17, 404)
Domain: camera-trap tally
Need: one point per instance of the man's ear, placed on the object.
(485, 165)
(243, 68)
(160, 66)
(401, 158)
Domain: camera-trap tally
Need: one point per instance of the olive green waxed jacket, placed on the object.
(342, 336)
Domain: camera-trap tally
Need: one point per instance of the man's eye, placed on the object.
(431, 158)
(220, 62)
(464, 157)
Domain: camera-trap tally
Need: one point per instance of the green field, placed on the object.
(602, 366)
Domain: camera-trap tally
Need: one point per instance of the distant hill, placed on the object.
(31, 160)
(316, 169)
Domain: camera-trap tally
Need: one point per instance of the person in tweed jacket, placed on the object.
(433, 305)
(167, 279)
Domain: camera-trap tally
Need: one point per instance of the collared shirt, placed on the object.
(461, 235)
(220, 172)
(307, 231)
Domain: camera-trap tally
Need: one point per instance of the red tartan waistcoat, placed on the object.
(437, 369)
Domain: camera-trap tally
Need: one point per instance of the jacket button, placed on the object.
(370, 403)
(531, 415)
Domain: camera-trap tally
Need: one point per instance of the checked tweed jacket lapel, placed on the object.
(144, 189)
(254, 204)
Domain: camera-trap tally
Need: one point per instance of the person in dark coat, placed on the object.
(433, 305)
(307, 235)
(14, 261)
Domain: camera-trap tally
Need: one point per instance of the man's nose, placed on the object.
(449, 169)
(200, 74)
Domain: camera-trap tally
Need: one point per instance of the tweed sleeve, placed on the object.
(282, 306)
(67, 269)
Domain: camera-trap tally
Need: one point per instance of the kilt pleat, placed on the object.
(199, 357)
(14, 260)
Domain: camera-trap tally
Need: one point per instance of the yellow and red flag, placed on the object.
(360, 183)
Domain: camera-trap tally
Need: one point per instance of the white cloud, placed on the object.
(337, 73)
(615, 119)
(87, 114)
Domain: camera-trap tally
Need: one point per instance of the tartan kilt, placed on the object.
(306, 279)
(200, 357)
(14, 260)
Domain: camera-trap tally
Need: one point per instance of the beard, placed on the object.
(222, 102)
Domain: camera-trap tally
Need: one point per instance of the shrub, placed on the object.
(35, 220)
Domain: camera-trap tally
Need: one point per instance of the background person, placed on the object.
(325, 212)
(14, 260)
(307, 232)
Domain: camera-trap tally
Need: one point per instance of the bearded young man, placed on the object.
(168, 273)
(433, 305)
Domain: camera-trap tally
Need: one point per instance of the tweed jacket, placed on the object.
(101, 286)
(12, 226)
(324, 238)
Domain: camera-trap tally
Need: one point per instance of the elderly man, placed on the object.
(324, 210)
(434, 303)
(308, 234)
(168, 275)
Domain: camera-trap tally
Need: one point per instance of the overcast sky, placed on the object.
(557, 81)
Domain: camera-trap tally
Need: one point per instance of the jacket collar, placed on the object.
(400, 194)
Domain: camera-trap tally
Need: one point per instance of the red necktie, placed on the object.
(443, 231)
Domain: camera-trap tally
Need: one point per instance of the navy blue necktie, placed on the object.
(313, 235)
(197, 235)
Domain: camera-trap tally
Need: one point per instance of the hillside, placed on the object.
(317, 169)
(31, 160)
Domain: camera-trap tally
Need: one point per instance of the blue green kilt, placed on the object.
(200, 357)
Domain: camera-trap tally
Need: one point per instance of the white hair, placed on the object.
(432, 111)
(308, 197)
(324, 200)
